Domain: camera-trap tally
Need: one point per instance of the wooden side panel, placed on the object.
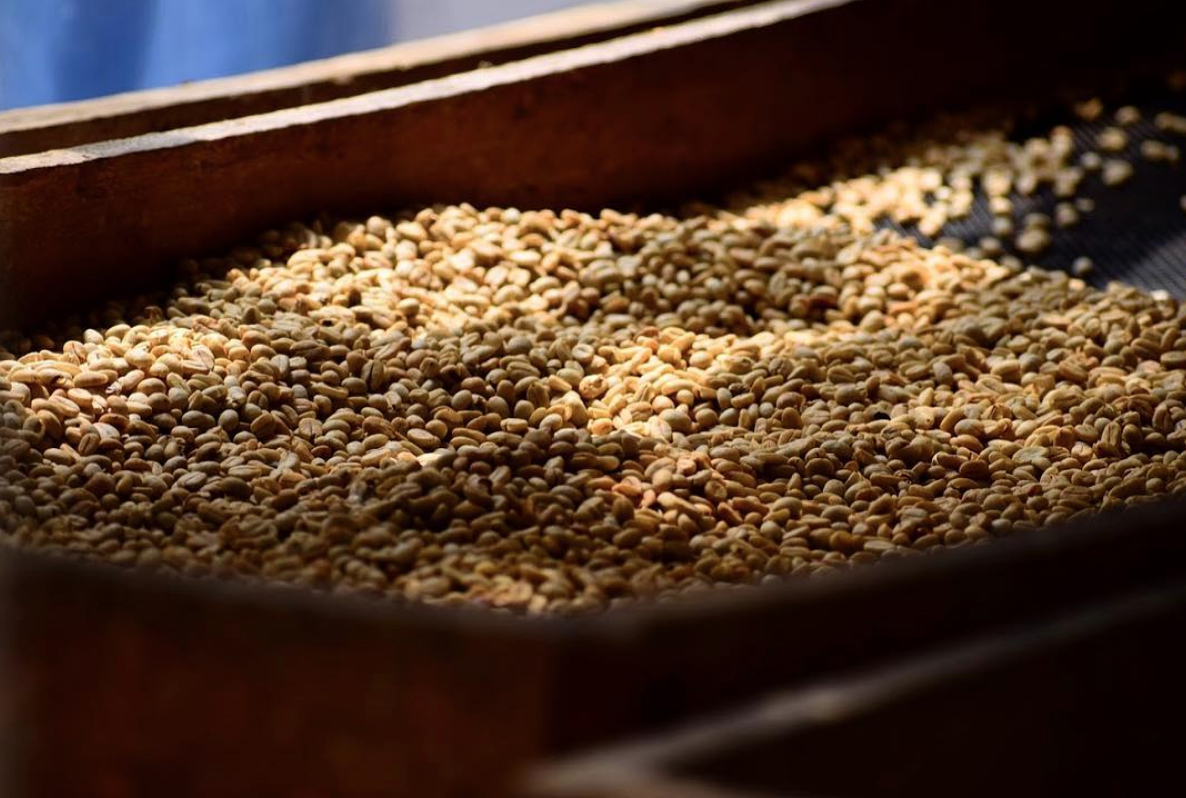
(666, 114)
(1086, 704)
(127, 684)
(707, 654)
(33, 130)
(120, 691)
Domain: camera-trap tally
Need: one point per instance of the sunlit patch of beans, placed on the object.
(556, 412)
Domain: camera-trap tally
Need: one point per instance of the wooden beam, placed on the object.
(210, 687)
(31, 130)
(1097, 685)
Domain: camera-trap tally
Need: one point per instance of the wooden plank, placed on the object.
(31, 130)
(1085, 704)
(705, 652)
(211, 688)
(148, 690)
(637, 119)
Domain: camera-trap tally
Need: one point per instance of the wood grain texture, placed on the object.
(128, 684)
(32, 130)
(640, 119)
(150, 691)
(1088, 703)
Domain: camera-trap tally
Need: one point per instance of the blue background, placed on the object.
(60, 50)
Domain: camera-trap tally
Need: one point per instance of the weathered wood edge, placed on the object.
(242, 649)
(74, 222)
(438, 89)
(648, 765)
(88, 641)
(29, 130)
(643, 118)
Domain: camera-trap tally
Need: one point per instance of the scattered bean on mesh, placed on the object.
(555, 411)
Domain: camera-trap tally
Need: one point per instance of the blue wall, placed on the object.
(60, 50)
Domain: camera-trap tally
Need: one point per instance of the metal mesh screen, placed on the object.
(1137, 232)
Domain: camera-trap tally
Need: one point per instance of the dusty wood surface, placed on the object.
(125, 689)
(1088, 703)
(128, 684)
(32, 130)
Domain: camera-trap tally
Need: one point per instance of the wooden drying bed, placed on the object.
(125, 683)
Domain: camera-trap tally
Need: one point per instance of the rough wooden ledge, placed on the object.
(31, 130)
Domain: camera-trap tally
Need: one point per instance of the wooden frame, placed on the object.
(31, 130)
(224, 688)
(1088, 703)
(211, 688)
(645, 109)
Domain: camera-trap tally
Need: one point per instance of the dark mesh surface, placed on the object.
(1137, 232)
